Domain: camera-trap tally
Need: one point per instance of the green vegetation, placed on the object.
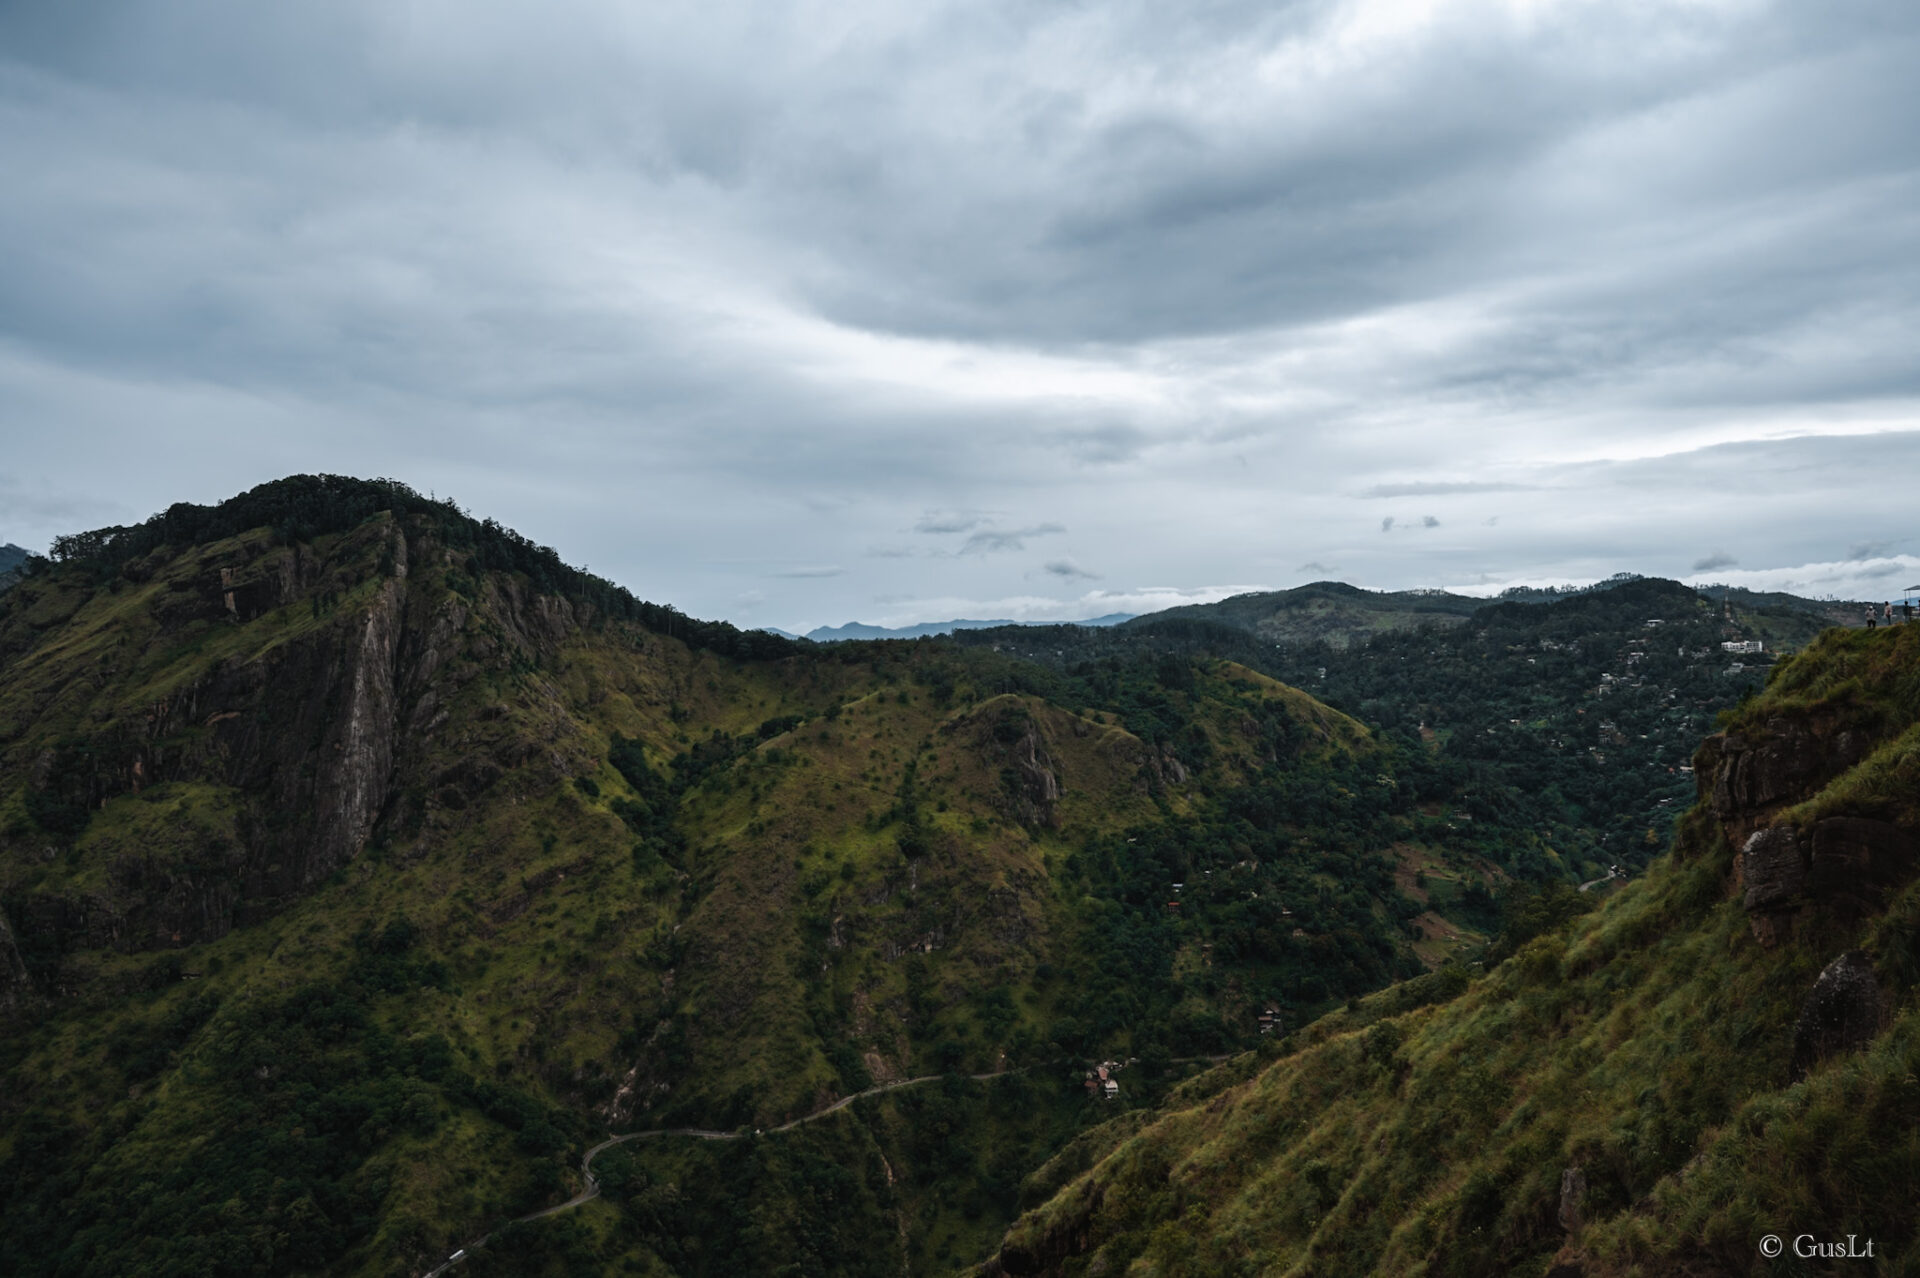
(1327, 612)
(1569, 714)
(1649, 1043)
(361, 865)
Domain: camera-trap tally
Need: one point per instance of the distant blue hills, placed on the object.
(859, 630)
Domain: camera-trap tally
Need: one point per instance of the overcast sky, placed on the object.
(804, 313)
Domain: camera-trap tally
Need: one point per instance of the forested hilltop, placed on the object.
(1574, 716)
(362, 865)
(1334, 616)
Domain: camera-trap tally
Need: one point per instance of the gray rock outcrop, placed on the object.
(1746, 774)
(1773, 876)
(1842, 1012)
(1573, 1197)
(16, 987)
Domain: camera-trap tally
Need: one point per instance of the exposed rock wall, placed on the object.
(1849, 865)
(317, 736)
(1036, 792)
(16, 988)
(1748, 775)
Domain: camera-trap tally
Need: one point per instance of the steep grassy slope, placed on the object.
(1724, 1050)
(360, 863)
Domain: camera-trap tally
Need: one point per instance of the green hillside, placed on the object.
(1723, 1050)
(1328, 612)
(1574, 717)
(361, 865)
(1331, 617)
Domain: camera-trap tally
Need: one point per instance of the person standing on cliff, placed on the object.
(1886, 613)
(1871, 619)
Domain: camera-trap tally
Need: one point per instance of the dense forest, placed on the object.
(1574, 718)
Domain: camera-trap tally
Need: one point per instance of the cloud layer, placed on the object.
(793, 312)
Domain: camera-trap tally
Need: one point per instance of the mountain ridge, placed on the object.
(362, 865)
(345, 838)
(860, 630)
(1340, 616)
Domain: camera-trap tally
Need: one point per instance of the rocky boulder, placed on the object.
(1773, 878)
(1842, 1012)
(1773, 869)
(1850, 865)
(1573, 1199)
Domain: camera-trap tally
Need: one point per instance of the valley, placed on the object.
(363, 867)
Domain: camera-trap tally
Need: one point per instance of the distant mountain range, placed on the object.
(859, 630)
(1340, 615)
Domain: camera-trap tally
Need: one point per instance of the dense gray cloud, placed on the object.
(718, 301)
(994, 541)
(1069, 570)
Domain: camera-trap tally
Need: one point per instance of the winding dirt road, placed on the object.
(592, 1190)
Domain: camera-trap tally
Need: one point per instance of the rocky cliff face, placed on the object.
(16, 988)
(308, 723)
(1847, 865)
(1748, 775)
